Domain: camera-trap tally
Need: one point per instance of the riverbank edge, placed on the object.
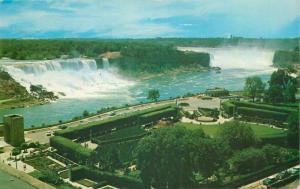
(30, 103)
(173, 72)
(25, 177)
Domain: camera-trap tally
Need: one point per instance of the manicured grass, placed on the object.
(85, 182)
(260, 130)
(64, 174)
(123, 133)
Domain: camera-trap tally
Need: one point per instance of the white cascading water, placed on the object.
(251, 58)
(76, 78)
(105, 63)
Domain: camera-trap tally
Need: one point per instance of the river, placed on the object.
(87, 88)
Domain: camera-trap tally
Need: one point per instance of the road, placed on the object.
(259, 183)
(40, 135)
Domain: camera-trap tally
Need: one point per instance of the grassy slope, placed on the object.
(260, 130)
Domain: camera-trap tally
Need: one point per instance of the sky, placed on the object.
(149, 18)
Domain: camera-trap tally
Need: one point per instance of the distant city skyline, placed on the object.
(149, 18)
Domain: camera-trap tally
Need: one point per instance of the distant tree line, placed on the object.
(136, 55)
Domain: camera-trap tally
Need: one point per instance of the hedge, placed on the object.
(102, 142)
(264, 107)
(99, 127)
(279, 116)
(154, 116)
(70, 149)
(82, 172)
(228, 107)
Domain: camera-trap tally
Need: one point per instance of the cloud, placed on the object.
(153, 18)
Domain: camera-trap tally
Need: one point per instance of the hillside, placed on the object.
(12, 94)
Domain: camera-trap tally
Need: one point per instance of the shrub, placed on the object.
(16, 151)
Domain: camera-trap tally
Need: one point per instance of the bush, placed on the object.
(16, 151)
(70, 149)
(267, 114)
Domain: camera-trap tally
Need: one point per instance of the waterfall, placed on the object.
(105, 63)
(252, 58)
(74, 78)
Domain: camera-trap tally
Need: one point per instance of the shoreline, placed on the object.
(23, 104)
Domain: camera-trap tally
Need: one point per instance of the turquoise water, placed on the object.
(169, 86)
(9, 182)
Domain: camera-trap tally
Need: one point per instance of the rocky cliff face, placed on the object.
(9, 88)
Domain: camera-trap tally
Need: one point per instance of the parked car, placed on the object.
(269, 181)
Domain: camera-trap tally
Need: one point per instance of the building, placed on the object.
(217, 92)
(14, 129)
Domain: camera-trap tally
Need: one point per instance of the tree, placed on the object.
(108, 158)
(237, 135)
(153, 95)
(254, 87)
(170, 157)
(85, 113)
(248, 160)
(282, 87)
(293, 130)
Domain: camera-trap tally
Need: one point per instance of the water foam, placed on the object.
(251, 58)
(76, 78)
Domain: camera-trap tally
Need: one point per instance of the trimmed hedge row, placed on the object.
(70, 149)
(154, 116)
(99, 127)
(98, 176)
(103, 142)
(228, 107)
(264, 107)
(262, 113)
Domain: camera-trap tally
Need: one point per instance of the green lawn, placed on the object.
(260, 130)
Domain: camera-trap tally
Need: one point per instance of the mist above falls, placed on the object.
(235, 57)
(70, 78)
